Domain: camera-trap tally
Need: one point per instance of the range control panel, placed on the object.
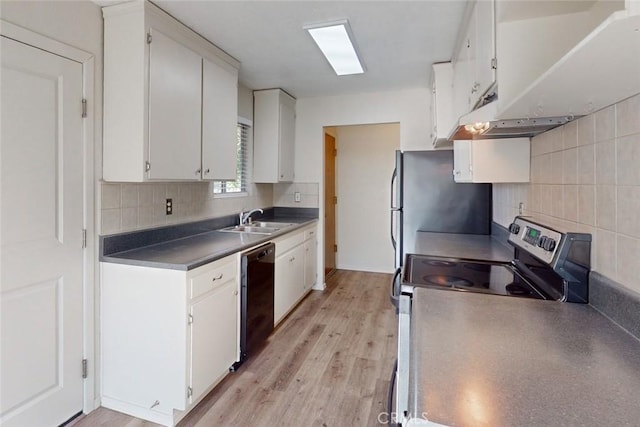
(538, 240)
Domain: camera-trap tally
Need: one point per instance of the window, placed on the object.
(239, 185)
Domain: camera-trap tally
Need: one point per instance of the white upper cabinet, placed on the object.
(474, 63)
(566, 58)
(175, 76)
(485, 59)
(170, 99)
(219, 124)
(274, 136)
(491, 160)
(442, 119)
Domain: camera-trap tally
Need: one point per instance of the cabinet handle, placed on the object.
(198, 172)
(292, 259)
(206, 172)
(217, 278)
(235, 292)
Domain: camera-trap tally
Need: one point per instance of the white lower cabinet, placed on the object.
(213, 348)
(289, 272)
(168, 336)
(310, 258)
(295, 269)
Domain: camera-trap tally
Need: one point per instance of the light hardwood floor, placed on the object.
(328, 364)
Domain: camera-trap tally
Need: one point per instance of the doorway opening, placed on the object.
(359, 162)
(330, 200)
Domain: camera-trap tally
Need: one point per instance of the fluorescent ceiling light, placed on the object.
(335, 43)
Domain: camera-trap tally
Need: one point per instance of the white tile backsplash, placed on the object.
(127, 206)
(586, 164)
(284, 195)
(605, 123)
(628, 267)
(569, 135)
(606, 162)
(628, 160)
(598, 186)
(586, 130)
(570, 166)
(628, 116)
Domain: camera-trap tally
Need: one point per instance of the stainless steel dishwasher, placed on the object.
(256, 299)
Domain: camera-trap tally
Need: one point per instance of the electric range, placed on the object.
(551, 263)
(548, 264)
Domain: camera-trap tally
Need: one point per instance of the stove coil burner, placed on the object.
(449, 281)
(438, 263)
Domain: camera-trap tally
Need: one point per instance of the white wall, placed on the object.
(409, 108)
(364, 165)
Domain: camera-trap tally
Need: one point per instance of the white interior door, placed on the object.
(41, 287)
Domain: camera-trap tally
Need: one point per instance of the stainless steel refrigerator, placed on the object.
(424, 197)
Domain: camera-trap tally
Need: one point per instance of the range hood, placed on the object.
(482, 124)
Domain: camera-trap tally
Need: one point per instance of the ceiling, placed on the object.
(397, 40)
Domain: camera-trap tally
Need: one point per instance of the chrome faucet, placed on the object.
(246, 216)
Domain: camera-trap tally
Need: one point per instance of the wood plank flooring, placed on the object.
(328, 364)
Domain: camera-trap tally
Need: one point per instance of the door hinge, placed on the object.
(84, 238)
(149, 38)
(335, 200)
(335, 152)
(84, 108)
(189, 392)
(84, 368)
(494, 63)
(190, 319)
(335, 248)
(147, 166)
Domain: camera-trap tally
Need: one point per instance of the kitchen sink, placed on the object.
(267, 224)
(258, 227)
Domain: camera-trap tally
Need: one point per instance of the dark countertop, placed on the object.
(462, 246)
(193, 251)
(485, 360)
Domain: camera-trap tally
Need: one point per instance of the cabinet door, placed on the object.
(289, 278)
(214, 337)
(220, 122)
(485, 74)
(310, 263)
(175, 100)
(462, 171)
(287, 142)
(472, 58)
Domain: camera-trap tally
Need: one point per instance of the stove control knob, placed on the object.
(542, 241)
(514, 228)
(549, 244)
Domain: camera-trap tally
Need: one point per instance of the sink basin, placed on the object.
(258, 227)
(250, 229)
(267, 224)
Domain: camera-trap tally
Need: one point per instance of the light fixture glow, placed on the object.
(477, 128)
(335, 43)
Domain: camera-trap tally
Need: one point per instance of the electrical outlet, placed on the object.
(296, 197)
(169, 207)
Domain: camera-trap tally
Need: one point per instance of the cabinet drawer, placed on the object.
(310, 233)
(288, 242)
(213, 277)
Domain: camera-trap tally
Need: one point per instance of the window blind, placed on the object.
(239, 185)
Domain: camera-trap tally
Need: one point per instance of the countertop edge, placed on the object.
(198, 262)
